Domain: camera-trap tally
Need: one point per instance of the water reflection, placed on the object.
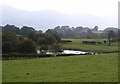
(62, 52)
(72, 52)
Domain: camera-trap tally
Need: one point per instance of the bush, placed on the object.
(24, 56)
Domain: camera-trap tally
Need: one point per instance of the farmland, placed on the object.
(79, 68)
(77, 44)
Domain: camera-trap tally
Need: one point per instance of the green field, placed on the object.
(80, 68)
(77, 44)
(0, 71)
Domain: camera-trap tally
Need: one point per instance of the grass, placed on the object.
(80, 68)
(0, 71)
(77, 44)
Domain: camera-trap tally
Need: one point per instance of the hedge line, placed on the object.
(14, 56)
(24, 56)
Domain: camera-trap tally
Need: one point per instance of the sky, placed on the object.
(94, 7)
(101, 8)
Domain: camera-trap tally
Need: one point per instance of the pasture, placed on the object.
(0, 70)
(77, 44)
(79, 68)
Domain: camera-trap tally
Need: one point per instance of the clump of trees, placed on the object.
(13, 43)
(9, 42)
(62, 31)
(83, 32)
(27, 46)
(27, 39)
(25, 30)
(78, 32)
(49, 42)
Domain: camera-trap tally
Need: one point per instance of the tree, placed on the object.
(50, 40)
(41, 41)
(9, 42)
(27, 46)
(11, 28)
(110, 35)
(89, 34)
(47, 40)
(7, 47)
(57, 37)
(25, 30)
(33, 36)
(95, 28)
(44, 47)
(56, 47)
(50, 32)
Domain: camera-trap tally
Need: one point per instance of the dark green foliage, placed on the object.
(9, 36)
(57, 37)
(47, 40)
(41, 41)
(67, 32)
(33, 36)
(44, 47)
(83, 32)
(95, 28)
(91, 35)
(14, 56)
(53, 33)
(111, 35)
(62, 32)
(56, 47)
(50, 32)
(50, 40)
(9, 42)
(27, 46)
(7, 47)
(11, 28)
(13, 43)
(25, 30)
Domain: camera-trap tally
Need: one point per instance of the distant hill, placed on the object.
(47, 19)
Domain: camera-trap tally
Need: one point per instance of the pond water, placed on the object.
(72, 52)
(64, 52)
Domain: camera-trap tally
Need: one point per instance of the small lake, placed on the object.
(64, 52)
(72, 52)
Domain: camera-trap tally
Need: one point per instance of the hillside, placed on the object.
(45, 19)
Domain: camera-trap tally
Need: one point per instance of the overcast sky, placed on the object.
(94, 7)
(101, 8)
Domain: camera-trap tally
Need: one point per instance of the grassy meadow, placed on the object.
(0, 70)
(77, 44)
(78, 68)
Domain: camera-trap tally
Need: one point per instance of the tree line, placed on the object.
(83, 32)
(27, 40)
(64, 31)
